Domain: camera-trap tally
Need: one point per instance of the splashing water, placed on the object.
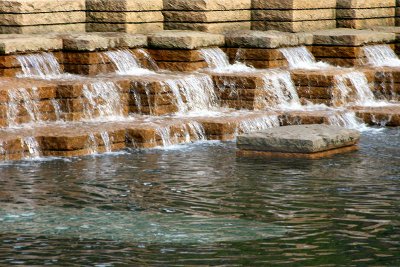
(33, 147)
(353, 89)
(381, 56)
(258, 124)
(102, 99)
(126, 63)
(43, 65)
(218, 61)
(106, 141)
(152, 63)
(348, 120)
(191, 131)
(301, 58)
(193, 93)
(281, 91)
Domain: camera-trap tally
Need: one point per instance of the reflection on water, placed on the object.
(202, 205)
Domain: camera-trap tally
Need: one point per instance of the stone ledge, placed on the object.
(16, 43)
(206, 5)
(185, 40)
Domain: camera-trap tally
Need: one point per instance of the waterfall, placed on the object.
(102, 99)
(106, 141)
(258, 124)
(381, 56)
(193, 93)
(191, 131)
(32, 145)
(218, 61)
(301, 58)
(280, 90)
(152, 63)
(346, 119)
(353, 88)
(126, 63)
(42, 65)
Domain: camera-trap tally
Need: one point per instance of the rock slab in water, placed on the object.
(309, 141)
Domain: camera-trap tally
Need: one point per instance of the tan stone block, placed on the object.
(125, 27)
(296, 26)
(90, 70)
(365, 3)
(310, 92)
(155, 111)
(124, 17)
(206, 5)
(237, 80)
(365, 13)
(261, 39)
(344, 62)
(293, 4)
(294, 15)
(42, 18)
(365, 23)
(185, 40)
(175, 55)
(75, 27)
(267, 64)
(124, 5)
(41, 6)
(338, 51)
(209, 27)
(207, 16)
(182, 66)
(351, 37)
(267, 54)
(86, 58)
(11, 43)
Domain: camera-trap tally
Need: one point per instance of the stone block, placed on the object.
(42, 29)
(293, 26)
(216, 27)
(41, 6)
(300, 141)
(293, 4)
(125, 27)
(185, 40)
(12, 43)
(338, 52)
(351, 37)
(124, 17)
(43, 18)
(207, 16)
(267, 64)
(124, 5)
(243, 54)
(206, 5)
(294, 15)
(381, 116)
(182, 66)
(365, 13)
(175, 55)
(261, 39)
(365, 3)
(365, 23)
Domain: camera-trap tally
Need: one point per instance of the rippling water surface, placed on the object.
(199, 204)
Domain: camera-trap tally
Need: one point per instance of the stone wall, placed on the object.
(217, 16)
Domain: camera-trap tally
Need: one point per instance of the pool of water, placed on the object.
(201, 205)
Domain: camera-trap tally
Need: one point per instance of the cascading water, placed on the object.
(126, 63)
(281, 91)
(33, 147)
(353, 89)
(218, 61)
(381, 56)
(151, 62)
(43, 65)
(346, 119)
(102, 99)
(193, 93)
(301, 58)
(258, 124)
(191, 131)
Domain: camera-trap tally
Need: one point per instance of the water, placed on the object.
(381, 56)
(301, 58)
(218, 61)
(258, 124)
(200, 205)
(353, 89)
(41, 65)
(281, 91)
(126, 63)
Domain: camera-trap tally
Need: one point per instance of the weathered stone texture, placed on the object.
(351, 37)
(124, 5)
(294, 26)
(38, 6)
(12, 43)
(293, 4)
(294, 15)
(185, 40)
(365, 3)
(207, 5)
(207, 16)
(222, 27)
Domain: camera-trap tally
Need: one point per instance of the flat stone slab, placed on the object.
(351, 37)
(18, 43)
(124, 5)
(266, 39)
(365, 4)
(39, 6)
(299, 139)
(185, 39)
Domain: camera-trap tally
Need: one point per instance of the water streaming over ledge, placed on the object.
(42, 65)
(126, 63)
(218, 61)
(381, 56)
(301, 58)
